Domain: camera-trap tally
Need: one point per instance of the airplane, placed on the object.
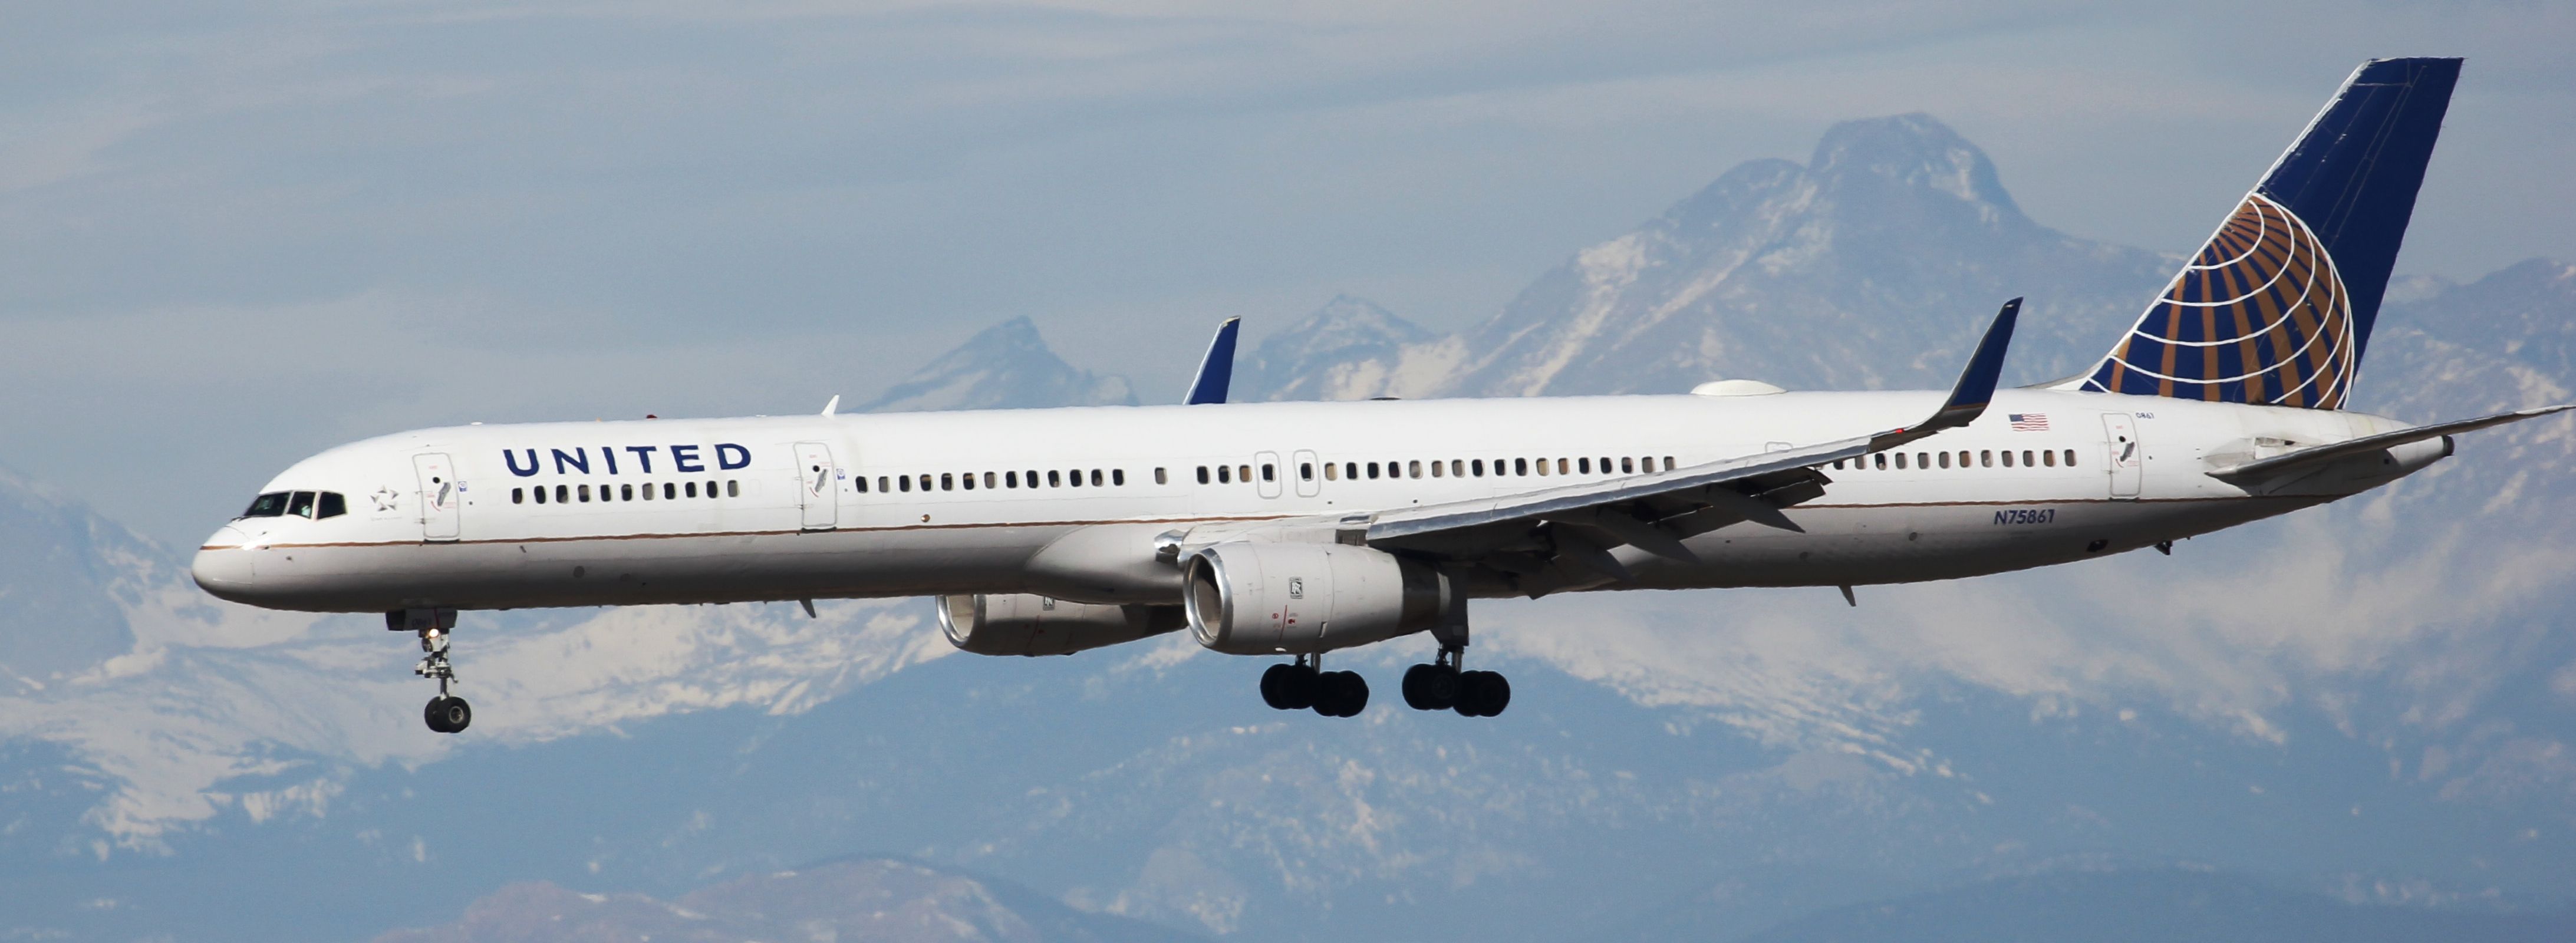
(1289, 530)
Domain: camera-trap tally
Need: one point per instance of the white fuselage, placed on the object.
(807, 507)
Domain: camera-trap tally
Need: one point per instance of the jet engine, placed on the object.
(1300, 598)
(1022, 624)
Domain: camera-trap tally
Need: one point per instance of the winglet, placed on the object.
(1975, 389)
(834, 406)
(1216, 372)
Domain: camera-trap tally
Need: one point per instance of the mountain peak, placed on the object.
(1912, 151)
(1347, 349)
(1006, 366)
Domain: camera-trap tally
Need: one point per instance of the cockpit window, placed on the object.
(271, 504)
(333, 505)
(300, 504)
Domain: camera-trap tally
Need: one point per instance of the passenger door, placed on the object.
(2128, 456)
(440, 500)
(815, 491)
(1266, 473)
(1310, 480)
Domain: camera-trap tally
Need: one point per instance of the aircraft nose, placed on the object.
(223, 564)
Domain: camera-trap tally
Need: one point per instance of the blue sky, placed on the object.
(234, 234)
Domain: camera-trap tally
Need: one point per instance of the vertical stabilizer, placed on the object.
(2277, 307)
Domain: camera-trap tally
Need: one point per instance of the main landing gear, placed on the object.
(1438, 686)
(445, 713)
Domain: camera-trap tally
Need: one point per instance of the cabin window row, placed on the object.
(667, 491)
(992, 481)
(1449, 468)
(1966, 458)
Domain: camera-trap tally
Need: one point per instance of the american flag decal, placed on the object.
(2029, 422)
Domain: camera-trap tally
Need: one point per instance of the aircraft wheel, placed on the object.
(1431, 687)
(1289, 687)
(447, 714)
(1483, 694)
(1341, 694)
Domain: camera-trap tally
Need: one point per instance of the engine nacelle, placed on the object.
(1022, 624)
(1299, 598)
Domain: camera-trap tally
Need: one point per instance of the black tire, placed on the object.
(1297, 688)
(1483, 694)
(1430, 687)
(448, 714)
(1341, 694)
(1274, 686)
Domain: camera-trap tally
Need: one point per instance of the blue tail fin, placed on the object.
(2278, 307)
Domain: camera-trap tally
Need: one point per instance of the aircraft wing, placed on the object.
(1532, 532)
(2269, 467)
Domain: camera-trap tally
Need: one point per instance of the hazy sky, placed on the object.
(231, 235)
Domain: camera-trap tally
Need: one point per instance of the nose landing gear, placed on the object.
(445, 713)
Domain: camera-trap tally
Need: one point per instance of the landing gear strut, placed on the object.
(445, 713)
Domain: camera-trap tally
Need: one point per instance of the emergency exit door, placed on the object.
(818, 491)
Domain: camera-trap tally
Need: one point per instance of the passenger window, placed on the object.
(1241, 471)
(1118, 476)
(711, 489)
(2070, 458)
(925, 483)
(1900, 461)
(584, 492)
(1945, 459)
(670, 490)
(1476, 467)
(2008, 458)
(1435, 468)
(1203, 475)
(1073, 478)
(905, 482)
(947, 481)
(1351, 470)
(1542, 466)
(1372, 469)
(1305, 471)
(1986, 459)
(692, 489)
(969, 483)
(733, 488)
(988, 481)
(626, 492)
(1457, 468)
(2025, 458)
(1332, 472)
(1055, 479)
(1010, 479)
(1584, 465)
(1224, 475)
(1269, 472)
(1627, 466)
(1160, 478)
(1881, 462)
(518, 495)
(1520, 466)
(541, 494)
(1413, 469)
(1668, 463)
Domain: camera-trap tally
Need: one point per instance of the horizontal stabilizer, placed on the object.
(2269, 467)
(1216, 370)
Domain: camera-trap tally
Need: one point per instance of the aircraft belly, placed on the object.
(656, 569)
(1914, 543)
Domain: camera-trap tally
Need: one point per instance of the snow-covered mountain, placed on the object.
(2374, 702)
(1348, 349)
(1008, 366)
